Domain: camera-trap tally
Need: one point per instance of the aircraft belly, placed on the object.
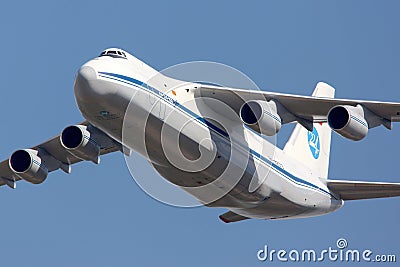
(276, 207)
(173, 142)
(279, 207)
(178, 146)
(202, 181)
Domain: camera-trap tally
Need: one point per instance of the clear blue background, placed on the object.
(97, 216)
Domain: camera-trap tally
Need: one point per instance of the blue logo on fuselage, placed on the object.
(314, 143)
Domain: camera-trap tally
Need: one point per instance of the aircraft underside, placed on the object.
(164, 136)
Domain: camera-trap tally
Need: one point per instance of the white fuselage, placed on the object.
(147, 112)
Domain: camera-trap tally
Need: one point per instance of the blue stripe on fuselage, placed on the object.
(284, 173)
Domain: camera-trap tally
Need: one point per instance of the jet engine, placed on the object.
(78, 140)
(261, 116)
(348, 121)
(27, 165)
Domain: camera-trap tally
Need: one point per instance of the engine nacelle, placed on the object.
(78, 140)
(348, 121)
(261, 116)
(27, 165)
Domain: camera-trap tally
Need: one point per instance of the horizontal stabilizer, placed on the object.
(230, 216)
(352, 190)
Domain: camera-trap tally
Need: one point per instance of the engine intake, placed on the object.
(261, 116)
(348, 121)
(78, 140)
(27, 165)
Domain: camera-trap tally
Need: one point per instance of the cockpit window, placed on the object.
(113, 53)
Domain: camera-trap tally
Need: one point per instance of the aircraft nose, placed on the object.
(84, 84)
(86, 74)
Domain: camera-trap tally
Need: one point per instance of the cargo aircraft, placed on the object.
(212, 141)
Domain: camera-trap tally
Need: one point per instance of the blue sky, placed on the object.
(97, 216)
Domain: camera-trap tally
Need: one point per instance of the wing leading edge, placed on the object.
(309, 108)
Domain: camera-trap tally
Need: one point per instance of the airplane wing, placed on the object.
(305, 108)
(353, 190)
(55, 156)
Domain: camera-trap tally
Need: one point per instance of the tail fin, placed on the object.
(313, 148)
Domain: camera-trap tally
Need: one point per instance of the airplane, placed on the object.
(212, 141)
